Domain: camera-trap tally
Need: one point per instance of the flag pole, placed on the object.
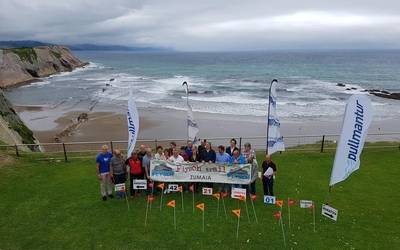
(174, 218)
(218, 208)
(187, 102)
(152, 193)
(247, 209)
(283, 231)
(288, 207)
(126, 198)
(147, 209)
(183, 208)
(269, 109)
(193, 196)
(162, 192)
(314, 215)
(223, 204)
(203, 221)
(237, 229)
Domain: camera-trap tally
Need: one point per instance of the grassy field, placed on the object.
(56, 205)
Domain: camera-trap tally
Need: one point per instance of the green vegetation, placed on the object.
(14, 122)
(56, 54)
(56, 205)
(26, 54)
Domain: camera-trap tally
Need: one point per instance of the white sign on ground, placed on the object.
(306, 203)
(238, 192)
(269, 199)
(207, 191)
(139, 184)
(329, 212)
(173, 187)
(119, 187)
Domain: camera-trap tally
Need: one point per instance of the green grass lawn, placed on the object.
(57, 205)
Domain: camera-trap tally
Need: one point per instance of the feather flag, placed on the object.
(274, 138)
(133, 123)
(192, 127)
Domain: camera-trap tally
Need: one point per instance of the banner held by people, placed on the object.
(357, 118)
(167, 171)
(274, 138)
(133, 123)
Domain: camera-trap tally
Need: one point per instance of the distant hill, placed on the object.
(21, 44)
(86, 46)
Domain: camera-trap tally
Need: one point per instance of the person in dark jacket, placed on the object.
(208, 154)
(118, 170)
(232, 147)
(269, 172)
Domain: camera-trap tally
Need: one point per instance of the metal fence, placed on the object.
(316, 143)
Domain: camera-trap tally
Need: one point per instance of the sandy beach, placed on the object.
(166, 124)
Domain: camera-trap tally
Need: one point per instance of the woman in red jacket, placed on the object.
(136, 170)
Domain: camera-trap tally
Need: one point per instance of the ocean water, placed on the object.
(234, 83)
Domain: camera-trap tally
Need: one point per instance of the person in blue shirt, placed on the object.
(237, 158)
(103, 172)
(222, 157)
(189, 149)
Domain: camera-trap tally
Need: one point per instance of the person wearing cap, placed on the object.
(103, 172)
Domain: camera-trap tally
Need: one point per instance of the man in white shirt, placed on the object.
(176, 157)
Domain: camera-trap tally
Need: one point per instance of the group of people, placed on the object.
(113, 168)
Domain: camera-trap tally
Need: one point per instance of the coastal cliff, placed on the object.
(21, 65)
(12, 128)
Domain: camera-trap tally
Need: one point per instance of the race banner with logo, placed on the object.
(165, 171)
(275, 139)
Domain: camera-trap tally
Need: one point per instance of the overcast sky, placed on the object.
(206, 25)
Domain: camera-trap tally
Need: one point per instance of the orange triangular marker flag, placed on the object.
(191, 188)
(150, 198)
(277, 215)
(225, 194)
(171, 203)
(200, 206)
(253, 197)
(161, 186)
(217, 196)
(180, 189)
(242, 197)
(236, 212)
(279, 203)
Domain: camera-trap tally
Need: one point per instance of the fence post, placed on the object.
(322, 143)
(240, 144)
(16, 150)
(65, 153)
(112, 147)
(155, 143)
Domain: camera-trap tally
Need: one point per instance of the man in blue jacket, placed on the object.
(103, 172)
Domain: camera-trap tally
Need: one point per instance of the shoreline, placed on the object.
(163, 123)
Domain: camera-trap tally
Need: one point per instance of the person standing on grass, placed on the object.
(146, 166)
(269, 172)
(232, 147)
(103, 172)
(250, 156)
(135, 171)
(118, 170)
(142, 152)
(222, 158)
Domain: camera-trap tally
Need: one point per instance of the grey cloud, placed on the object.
(206, 25)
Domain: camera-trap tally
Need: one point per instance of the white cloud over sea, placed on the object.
(206, 25)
